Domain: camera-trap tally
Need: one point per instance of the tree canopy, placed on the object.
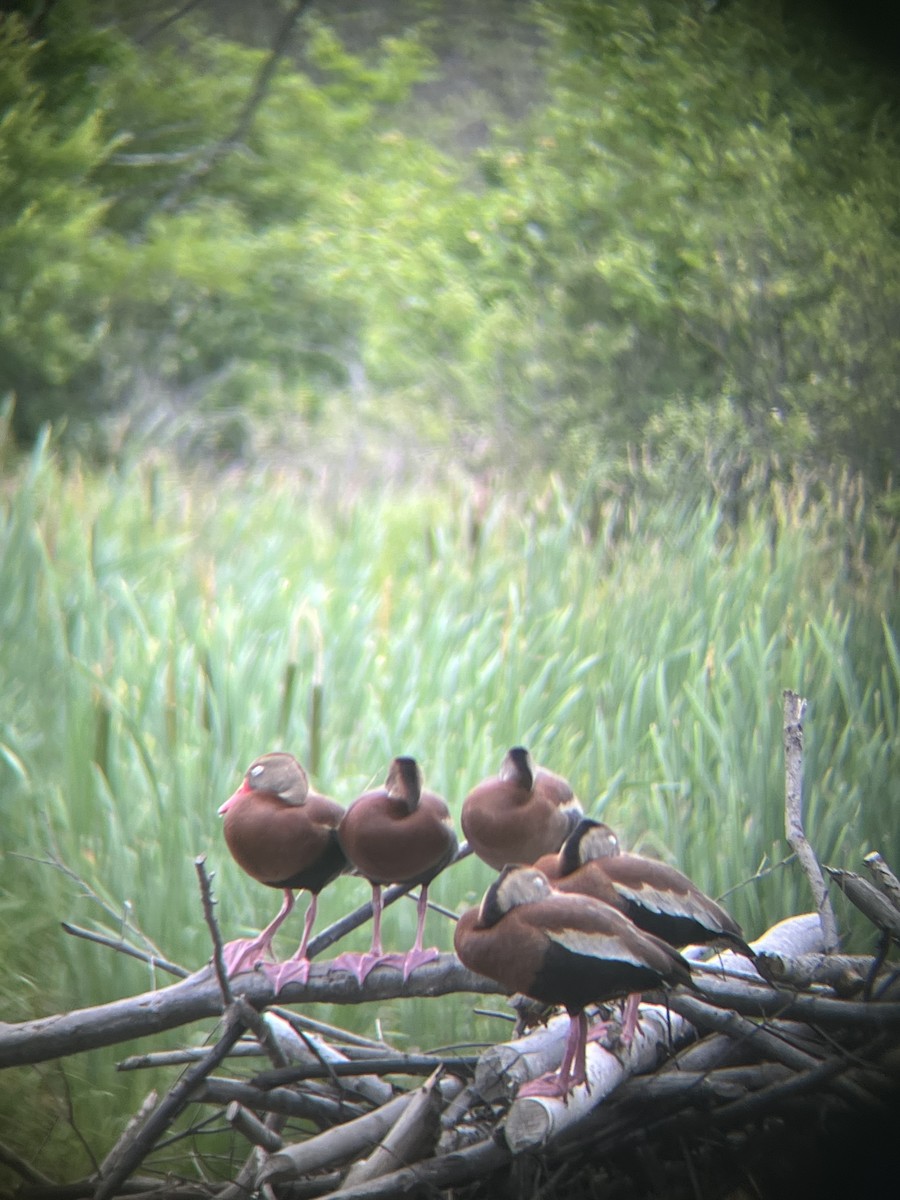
(686, 228)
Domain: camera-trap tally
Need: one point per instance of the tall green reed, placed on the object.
(158, 632)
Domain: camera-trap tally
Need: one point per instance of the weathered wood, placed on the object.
(307, 1105)
(533, 1121)
(334, 1146)
(252, 1128)
(199, 997)
(410, 1138)
(884, 877)
(132, 1152)
(794, 711)
(874, 905)
(444, 1171)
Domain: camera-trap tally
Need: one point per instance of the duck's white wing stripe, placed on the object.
(595, 945)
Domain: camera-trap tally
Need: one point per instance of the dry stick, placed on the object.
(250, 1019)
(705, 1017)
(206, 897)
(174, 1102)
(336, 1145)
(108, 1166)
(253, 1129)
(794, 709)
(432, 1174)
(755, 1000)
(399, 1064)
(353, 1042)
(885, 878)
(199, 996)
(740, 1111)
(124, 947)
(412, 1135)
(289, 1103)
(181, 1058)
(140, 1137)
(872, 903)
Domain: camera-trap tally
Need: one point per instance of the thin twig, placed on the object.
(9, 1158)
(399, 1064)
(174, 1102)
(208, 912)
(123, 947)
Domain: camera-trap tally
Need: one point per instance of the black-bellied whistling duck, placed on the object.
(284, 835)
(658, 898)
(398, 833)
(560, 949)
(520, 813)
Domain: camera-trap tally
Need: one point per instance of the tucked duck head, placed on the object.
(588, 841)
(514, 885)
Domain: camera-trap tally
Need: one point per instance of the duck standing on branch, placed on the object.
(285, 836)
(520, 813)
(657, 897)
(398, 833)
(559, 949)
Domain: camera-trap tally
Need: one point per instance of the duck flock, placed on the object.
(570, 920)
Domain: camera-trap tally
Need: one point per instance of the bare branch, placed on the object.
(199, 996)
(144, 1138)
(241, 127)
(884, 877)
(794, 710)
(306, 1105)
(871, 903)
(252, 1128)
(208, 902)
(123, 947)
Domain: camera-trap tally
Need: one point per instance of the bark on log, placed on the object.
(334, 1146)
(533, 1121)
(199, 996)
(412, 1135)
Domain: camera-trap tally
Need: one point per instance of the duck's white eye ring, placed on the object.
(257, 770)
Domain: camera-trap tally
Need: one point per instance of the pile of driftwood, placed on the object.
(750, 1086)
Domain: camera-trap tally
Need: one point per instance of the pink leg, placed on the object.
(630, 1018)
(361, 964)
(572, 1071)
(243, 955)
(416, 957)
(296, 968)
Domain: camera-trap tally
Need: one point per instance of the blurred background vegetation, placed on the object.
(515, 232)
(491, 372)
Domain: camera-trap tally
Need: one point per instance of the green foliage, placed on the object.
(158, 632)
(692, 206)
(53, 304)
(705, 205)
(106, 281)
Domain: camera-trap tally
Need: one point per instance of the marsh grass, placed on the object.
(157, 633)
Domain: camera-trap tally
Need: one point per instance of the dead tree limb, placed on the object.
(199, 997)
(794, 710)
(145, 1137)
